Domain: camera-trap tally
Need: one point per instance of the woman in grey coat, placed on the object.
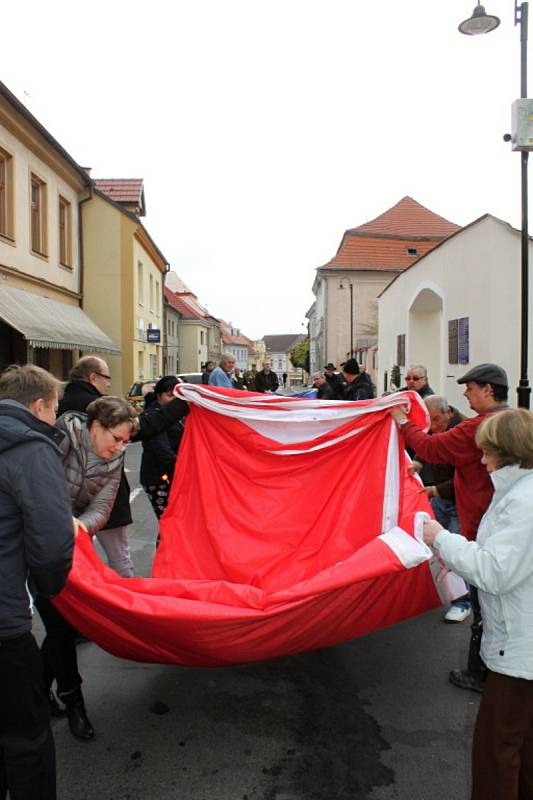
(93, 455)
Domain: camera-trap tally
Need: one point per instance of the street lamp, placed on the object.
(342, 286)
(480, 22)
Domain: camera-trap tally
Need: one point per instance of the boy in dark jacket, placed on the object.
(36, 541)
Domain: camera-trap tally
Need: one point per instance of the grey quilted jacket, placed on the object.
(92, 489)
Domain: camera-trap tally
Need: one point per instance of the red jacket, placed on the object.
(457, 446)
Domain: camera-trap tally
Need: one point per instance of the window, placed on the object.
(458, 341)
(400, 350)
(140, 283)
(412, 251)
(201, 337)
(65, 235)
(38, 216)
(157, 298)
(6, 195)
(152, 293)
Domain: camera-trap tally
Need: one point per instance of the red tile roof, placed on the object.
(127, 191)
(384, 242)
(181, 305)
(409, 218)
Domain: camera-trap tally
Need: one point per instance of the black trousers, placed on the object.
(58, 648)
(27, 754)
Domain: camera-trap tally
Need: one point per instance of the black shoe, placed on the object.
(78, 722)
(467, 680)
(56, 709)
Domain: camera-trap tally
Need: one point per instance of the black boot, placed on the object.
(56, 708)
(78, 721)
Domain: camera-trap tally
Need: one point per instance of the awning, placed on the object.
(50, 324)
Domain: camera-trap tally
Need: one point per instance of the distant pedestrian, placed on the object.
(417, 381)
(36, 543)
(250, 378)
(284, 379)
(333, 378)
(355, 386)
(160, 452)
(238, 379)
(209, 367)
(324, 389)
(221, 375)
(266, 380)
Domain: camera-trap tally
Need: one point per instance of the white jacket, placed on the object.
(500, 564)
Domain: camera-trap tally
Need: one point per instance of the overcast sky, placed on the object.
(263, 130)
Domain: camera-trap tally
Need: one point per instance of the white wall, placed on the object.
(476, 274)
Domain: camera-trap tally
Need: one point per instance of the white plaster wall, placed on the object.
(18, 255)
(477, 274)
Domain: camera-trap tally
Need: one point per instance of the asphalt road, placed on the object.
(372, 719)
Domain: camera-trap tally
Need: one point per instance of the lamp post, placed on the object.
(350, 286)
(478, 23)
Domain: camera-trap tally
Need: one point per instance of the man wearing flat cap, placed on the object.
(486, 389)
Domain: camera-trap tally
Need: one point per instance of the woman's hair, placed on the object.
(111, 411)
(165, 384)
(508, 435)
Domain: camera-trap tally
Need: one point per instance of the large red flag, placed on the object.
(290, 526)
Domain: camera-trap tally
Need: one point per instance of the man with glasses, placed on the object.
(88, 380)
(417, 381)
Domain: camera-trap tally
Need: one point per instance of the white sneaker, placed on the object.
(457, 614)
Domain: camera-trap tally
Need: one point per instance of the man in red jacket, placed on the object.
(486, 389)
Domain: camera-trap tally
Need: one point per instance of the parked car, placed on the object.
(138, 392)
(190, 377)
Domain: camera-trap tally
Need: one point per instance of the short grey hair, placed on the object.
(227, 357)
(85, 367)
(437, 401)
(420, 367)
(318, 374)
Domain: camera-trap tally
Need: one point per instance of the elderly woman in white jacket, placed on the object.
(500, 564)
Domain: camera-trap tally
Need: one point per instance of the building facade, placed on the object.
(278, 348)
(42, 316)
(343, 320)
(457, 306)
(123, 280)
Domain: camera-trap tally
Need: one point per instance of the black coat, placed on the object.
(359, 389)
(326, 392)
(266, 381)
(36, 533)
(159, 452)
(77, 396)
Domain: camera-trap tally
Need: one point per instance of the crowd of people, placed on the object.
(62, 475)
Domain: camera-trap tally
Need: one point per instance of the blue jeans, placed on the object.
(446, 513)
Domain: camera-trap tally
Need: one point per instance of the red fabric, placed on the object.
(262, 554)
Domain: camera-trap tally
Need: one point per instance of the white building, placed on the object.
(455, 307)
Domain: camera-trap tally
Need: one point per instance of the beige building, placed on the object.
(123, 280)
(457, 306)
(343, 320)
(41, 191)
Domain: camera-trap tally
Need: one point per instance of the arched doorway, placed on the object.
(425, 332)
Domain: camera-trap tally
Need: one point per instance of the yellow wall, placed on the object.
(192, 353)
(30, 153)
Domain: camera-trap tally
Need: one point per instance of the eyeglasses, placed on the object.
(101, 374)
(415, 377)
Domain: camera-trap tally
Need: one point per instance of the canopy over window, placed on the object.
(51, 324)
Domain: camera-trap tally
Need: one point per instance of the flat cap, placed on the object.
(486, 373)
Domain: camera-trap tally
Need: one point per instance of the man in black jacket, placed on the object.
(417, 380)
(355, 386)
(88, 380)
(266, 380)
(324, 389)
(36, 541)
